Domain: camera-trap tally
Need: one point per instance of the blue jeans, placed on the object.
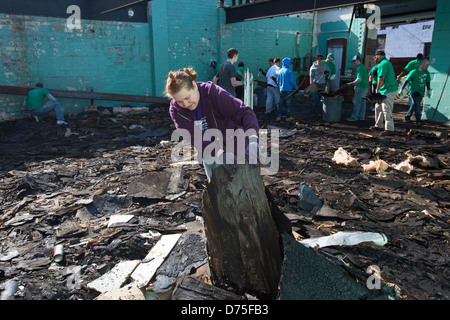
(273, 98)
(359, 104)
(285, 105)
(46, 108)
(415, 101)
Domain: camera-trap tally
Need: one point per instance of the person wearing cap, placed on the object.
(332, 68)
(361, 85)
(417, 80)
(386, 85)
(317, 74)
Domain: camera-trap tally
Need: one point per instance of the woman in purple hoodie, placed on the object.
(220, 126)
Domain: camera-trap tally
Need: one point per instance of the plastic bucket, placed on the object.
(332, 108)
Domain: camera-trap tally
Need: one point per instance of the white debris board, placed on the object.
(119, 218)
(146, 270)
(115, 278)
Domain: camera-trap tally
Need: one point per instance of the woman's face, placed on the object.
(187, 99)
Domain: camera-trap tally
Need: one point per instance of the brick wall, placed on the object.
(194, 34)
(110, 57)
(135, 58)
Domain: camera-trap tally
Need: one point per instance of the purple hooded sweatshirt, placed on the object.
(222, 112)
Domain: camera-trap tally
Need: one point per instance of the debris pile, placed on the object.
(130, 223)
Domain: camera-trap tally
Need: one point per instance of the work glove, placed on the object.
(252, 153)
(229, 162)
(350, 84)
(332, 77)
(400, 94)
(429, 93)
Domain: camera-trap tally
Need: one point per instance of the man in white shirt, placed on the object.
(273, 91)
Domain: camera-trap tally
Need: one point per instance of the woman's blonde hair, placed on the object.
(180, 79)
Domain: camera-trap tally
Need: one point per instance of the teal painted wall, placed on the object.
(110, 57)
(440, 65)
(184, 33)
(353, 31)
(194, 34)
(259, 40)
(135, 58)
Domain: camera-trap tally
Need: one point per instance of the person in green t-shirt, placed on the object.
(332, 68)
(386, 85)
(361, 84)
(34, 104)
(412, 65)
(373, 79)
(417, 79)
(264, 72)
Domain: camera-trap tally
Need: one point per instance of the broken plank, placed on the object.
(366, 135)
(189, 288)
(146, 270)
(126, 293)
(242, 236)
(115, 278)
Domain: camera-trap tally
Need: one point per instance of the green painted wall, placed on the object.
(135, 58)
(108, 56)
(184, 33)
(194, 34)
(259, 40)
(440, 66)
(353, 31)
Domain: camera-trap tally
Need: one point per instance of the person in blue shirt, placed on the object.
(286, 83)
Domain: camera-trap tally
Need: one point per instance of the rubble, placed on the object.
(105, 188)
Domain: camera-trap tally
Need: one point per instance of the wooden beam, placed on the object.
(243, 241)
(189, 288)
(70, 94)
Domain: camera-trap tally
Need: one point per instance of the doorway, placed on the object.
(339, 48)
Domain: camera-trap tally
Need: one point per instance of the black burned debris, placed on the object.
(131, 225)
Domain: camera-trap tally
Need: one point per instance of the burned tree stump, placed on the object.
(242, 238)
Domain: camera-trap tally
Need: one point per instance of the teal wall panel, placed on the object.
(259, 40)
(440, 66)
(112, 57)
(135, 58)
(194, 34)
(183, 34)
